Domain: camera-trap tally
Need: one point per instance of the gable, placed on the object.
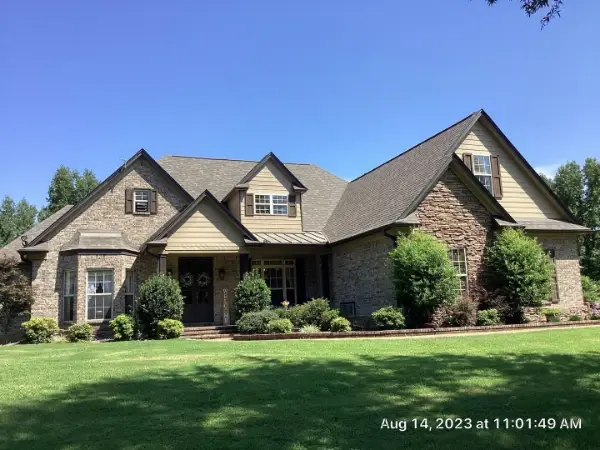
(522, 195)
(207, 229)
(270, 179)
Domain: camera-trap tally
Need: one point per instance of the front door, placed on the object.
(195, 279)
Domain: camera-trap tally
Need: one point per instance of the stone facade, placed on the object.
(454, 215)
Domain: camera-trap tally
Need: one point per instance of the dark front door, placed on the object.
(195, 279)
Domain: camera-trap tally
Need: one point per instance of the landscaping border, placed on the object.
(410, 332)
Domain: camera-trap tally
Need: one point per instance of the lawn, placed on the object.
(301, 394)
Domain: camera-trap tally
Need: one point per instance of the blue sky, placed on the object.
(343, 84)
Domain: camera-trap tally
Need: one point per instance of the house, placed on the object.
(207, 221)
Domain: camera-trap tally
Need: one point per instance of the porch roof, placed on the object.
(544, 225)
(304, 238)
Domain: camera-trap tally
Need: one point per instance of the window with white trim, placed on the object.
(129, 292)
(280, 276)
(482, 169)
(69, 295)
(271, 204)
(141, 201)
(100, 294)
(458, 256)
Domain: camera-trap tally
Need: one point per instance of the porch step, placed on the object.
(208, 331)
(203, 337)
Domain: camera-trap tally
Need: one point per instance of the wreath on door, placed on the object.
(186, 280)
(203, 279)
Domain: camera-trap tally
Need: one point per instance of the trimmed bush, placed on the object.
(488, 317)
(296, 315)
(591, 289)
(463, 313)
(424, 278)
(256, 322)
(314, 312)
(520, 270)
(40, 330)
(279, 326)
(389, 318)
(123, 327)
(340, 324)
(328, 317)
(160, 298)
(251, 294)
(575, 318)
(169, 329)
(310, 329)
(594, 317)
(80, 332)
(552, 314)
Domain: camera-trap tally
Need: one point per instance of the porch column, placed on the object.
(162, 265)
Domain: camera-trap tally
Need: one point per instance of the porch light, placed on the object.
(221, 274)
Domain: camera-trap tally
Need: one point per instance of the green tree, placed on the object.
(15, 219)
(67, 187)
(16, 296)
(551, 8)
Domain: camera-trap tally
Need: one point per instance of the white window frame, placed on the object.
(459, 274)
(89, 294)
(482, 174)
(69, 279)
(146, 201)
(129, 289)
(269, 200)
(282, 264)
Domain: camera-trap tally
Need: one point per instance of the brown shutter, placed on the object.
(153, 204)
(496, 178)
(249, 205)
(128, 201)
(468, 160)
(291, 206)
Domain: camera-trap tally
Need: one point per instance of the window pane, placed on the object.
(280, 200)
(290, 277)
(486, 181)
(276, 297)
(280, 210)
(482, 165)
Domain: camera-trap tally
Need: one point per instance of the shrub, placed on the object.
(16, 296)
(552, 314)
(424, 278)
(80, 332)
(251, 294)
(123, 327)
(520, 270)
(314, 312)
(328, 317)
(256, 322)
(340, 324)
(279, 326)
(575, 318)
(296, 315)
(389, 318)
(282, 313)
(160, 298)
(169, 329)
(594, 317)
(463, 313)
(591, 289)
(310, 329)
(488, 317)
(40, 330)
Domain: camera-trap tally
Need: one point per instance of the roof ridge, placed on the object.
(415, 146)
(229, 159)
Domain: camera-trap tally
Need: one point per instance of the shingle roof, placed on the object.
(219, 176)
(306, 238)
(390, 192)
(10, 250)
(99, 240)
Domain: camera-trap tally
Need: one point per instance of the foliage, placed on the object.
(591, 289)
(552, 8)
(552, 314)
(279, 326)
(123, 327)
(327, 317)
(251, 294)
(160, 298)
(389, 318)
(314, 312)
(15, 219)
(256, 322)
(67, 187)
(575, 318)
(40, 330)
(79, 332)
(169, 329)
(310, 329)
(594, 317)
(463, 313)
(16, 296)
(340, 324)
(488, 317)
(296, 315)
(424, 278)
(519, 270)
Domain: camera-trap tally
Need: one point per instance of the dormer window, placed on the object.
(271, 204)
(482, 169)
(141, 201)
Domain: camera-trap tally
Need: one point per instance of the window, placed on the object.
(69, 296)
(482, 169)
(458, 256)
(271, 204)
(280, 276)
(99, 294)
(129, 292)
(552, 256)
(141, 201)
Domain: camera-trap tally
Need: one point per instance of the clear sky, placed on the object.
(340, 83)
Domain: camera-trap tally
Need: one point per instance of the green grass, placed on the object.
(300, 394)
